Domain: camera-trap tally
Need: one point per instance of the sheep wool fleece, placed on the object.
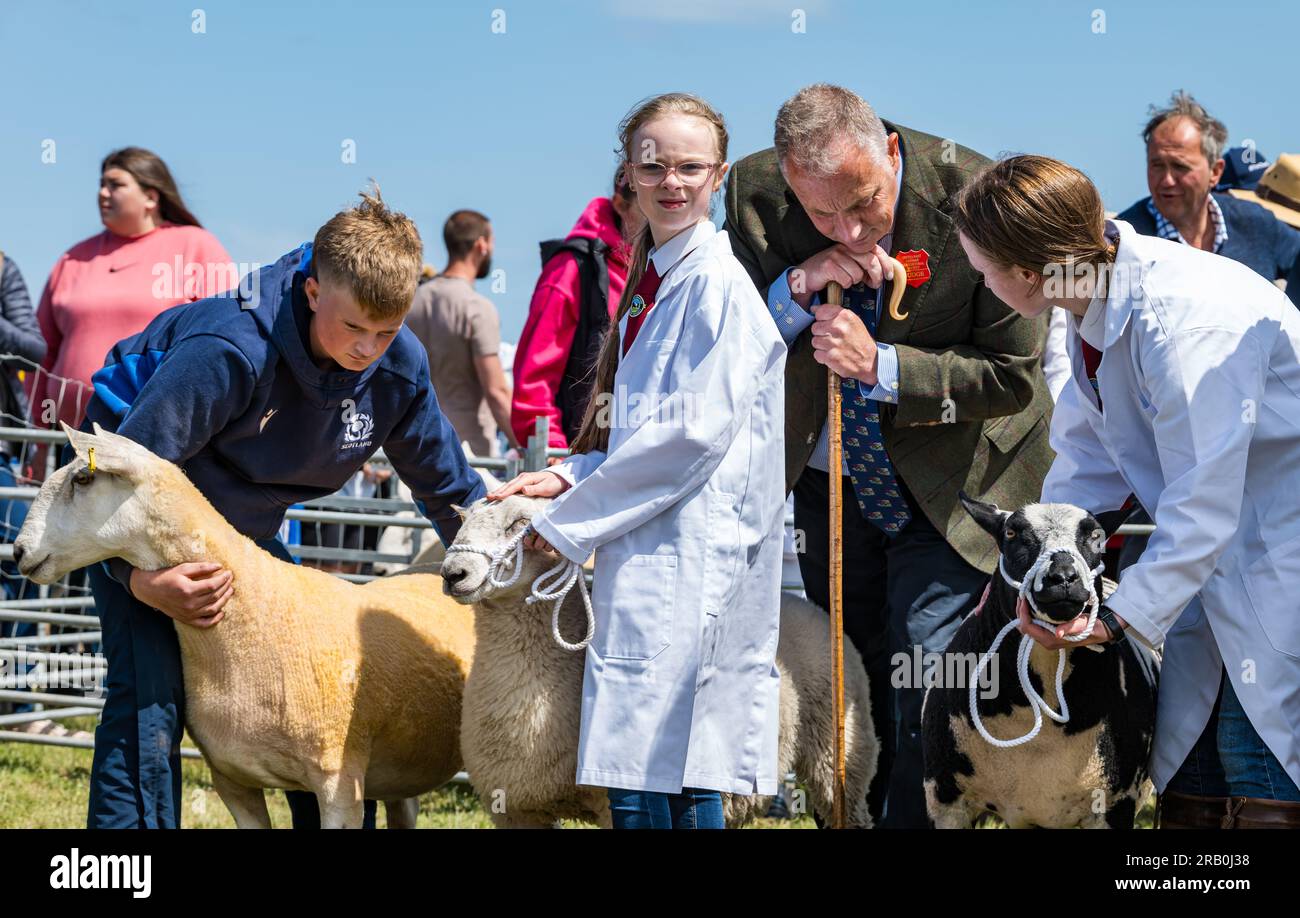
(685, 511)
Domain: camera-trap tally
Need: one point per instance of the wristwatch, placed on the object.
(1107, 618)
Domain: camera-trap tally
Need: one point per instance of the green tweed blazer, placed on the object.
(973, 408)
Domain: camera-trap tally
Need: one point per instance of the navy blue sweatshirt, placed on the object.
(226, 388)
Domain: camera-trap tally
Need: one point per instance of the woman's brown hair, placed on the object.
(1034, 212)
(594, 434)
(149, 171)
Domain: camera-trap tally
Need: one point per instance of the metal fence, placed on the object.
(46, 638)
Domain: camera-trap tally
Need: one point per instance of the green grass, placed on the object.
(45, 787)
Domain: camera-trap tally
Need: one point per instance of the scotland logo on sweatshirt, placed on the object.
(357, 426)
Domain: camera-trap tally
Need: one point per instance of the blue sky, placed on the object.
(445, 112)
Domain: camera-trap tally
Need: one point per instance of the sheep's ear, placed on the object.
(989, 517)
(460, 511)
(113, 454)
(81, 441)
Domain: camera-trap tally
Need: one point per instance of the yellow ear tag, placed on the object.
(90, 460)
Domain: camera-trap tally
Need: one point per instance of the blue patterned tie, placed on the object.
(879, 497)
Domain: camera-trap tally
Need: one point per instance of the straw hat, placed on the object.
(1278, 189)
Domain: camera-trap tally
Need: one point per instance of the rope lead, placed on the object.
(552, 585)
(1034, 581)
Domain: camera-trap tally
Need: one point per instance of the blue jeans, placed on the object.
(135, 777)
(691, 809)
(1230, 760)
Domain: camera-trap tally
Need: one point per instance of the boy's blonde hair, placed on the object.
(375, 251)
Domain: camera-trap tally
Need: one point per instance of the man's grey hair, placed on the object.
(821, 124)
(1214, 134)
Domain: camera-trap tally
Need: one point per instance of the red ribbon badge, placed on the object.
(917, 263)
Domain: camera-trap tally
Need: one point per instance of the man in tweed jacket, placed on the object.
(952, 382)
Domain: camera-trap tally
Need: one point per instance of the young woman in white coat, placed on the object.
(1185, 391)
(676, 483)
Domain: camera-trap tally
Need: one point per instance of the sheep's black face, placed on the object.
(1061, 589)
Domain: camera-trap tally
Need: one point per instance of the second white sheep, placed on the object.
(519, 724)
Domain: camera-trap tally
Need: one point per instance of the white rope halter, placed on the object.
(550, 586)
(1034, 581)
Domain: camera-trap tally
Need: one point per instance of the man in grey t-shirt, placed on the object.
(461, 331)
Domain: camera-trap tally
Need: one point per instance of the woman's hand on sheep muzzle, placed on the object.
(194, 592)
(1056, 640)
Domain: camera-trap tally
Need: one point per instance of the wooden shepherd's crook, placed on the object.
(835, 297)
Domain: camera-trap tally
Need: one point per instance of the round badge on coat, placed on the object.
(638, 306)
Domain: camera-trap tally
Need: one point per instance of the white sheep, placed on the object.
(309, 682)
(519, 727)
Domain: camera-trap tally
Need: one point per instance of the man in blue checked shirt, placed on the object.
(1185, 162)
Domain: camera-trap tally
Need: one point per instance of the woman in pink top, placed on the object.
(152, 254)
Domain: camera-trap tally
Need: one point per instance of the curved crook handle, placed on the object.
(897, 290)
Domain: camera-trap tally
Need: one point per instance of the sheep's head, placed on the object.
(82, 515)
(489, 525)
(1062, 593)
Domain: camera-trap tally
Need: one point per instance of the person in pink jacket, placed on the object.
(152, 254)
(552, 366)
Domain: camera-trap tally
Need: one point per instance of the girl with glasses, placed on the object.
(677, 483)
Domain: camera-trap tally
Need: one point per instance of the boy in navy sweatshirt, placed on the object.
(274, 394)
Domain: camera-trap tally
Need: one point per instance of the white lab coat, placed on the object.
(1200, 382)
(685, 512)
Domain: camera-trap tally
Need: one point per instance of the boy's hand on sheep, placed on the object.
(194, 592)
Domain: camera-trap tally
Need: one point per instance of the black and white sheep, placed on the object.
(1090, 771)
